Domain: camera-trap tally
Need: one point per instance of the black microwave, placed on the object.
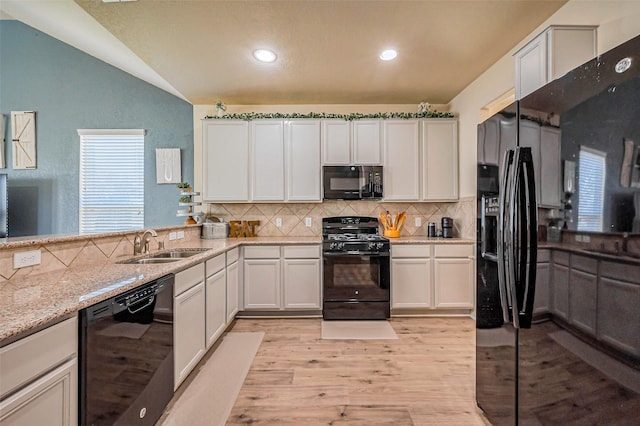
(352, 182)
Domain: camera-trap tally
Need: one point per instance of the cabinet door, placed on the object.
(411, 283)
(225, 153)
(262, 284)
(530, 138)
(367, 146)
(582, 309)
(541, 300)
(491, 141)
(401, 160)
(550, 170)
(50, 400)
(233, 298)
(336, 142)
(303, 160)
(216, 303)
(189, 331)
(618, 303)
(302, 283)
(531, 66)
(267, 146)
(454, 283)
(439, 159)
(560, 291)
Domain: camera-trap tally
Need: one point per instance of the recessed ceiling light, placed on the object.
(623, 65)
(264, 55)
(388, 55)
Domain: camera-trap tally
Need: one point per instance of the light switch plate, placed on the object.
(172, 236)
(27, 258)
(307, 222)
(180, 234)
(278, 222)
(418, 221)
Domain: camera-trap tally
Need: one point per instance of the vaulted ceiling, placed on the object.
(327, 50)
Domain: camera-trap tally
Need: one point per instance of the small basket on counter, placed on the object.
(213, 230)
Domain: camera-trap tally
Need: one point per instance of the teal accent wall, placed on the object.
(72, 90)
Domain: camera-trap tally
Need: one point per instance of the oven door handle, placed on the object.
(356, 253)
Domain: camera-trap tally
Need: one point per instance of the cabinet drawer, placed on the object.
(453, 250)
(188, 278)
(28, 358)
(410, 250)
(620, 271)
(262, 252)
(544, 256)
(302, 252)
(561, 257)
(233, 255)
(215, 264)
(585, 264)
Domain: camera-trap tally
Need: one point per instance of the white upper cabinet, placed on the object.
(303, 172)
(401, 160)
(440, 159)
(336, 142)
(489, 142)
(267, 148)
(553, 53)
(550, 169)
(225, 153)
(367, 146)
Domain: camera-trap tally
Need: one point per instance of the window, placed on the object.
(591, 171)
(111, 180)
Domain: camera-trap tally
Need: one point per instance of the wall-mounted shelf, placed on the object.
(189, 213)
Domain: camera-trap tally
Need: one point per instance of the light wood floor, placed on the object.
(426, 377)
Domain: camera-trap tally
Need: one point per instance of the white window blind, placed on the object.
(591, 189)
(111, 180)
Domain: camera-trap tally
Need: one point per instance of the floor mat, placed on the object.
(209, 398)
(357, 330)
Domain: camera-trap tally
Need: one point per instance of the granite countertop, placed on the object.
(33, 301)
(423, 239)
(591, 252)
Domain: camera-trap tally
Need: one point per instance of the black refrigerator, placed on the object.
(558, 250)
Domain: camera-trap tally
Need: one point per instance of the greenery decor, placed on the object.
(183, 185)
(248, 116)
(185, 199)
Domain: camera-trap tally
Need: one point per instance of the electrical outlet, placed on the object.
(27, 258)
(307, 222)
(586, 239)
(172, 236)
(180, 234)
(278, 222)
(418, 222)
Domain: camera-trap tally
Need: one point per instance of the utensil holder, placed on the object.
(391, 233)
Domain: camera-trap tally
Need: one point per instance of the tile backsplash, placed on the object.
(293, 215)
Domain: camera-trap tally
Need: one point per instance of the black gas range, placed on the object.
(356, 279)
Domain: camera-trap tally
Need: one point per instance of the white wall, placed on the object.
(618, 22)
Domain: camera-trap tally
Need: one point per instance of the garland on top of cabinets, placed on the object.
(248, 116)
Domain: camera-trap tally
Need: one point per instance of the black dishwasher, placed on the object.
(126, 356)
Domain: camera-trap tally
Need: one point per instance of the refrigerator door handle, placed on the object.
(505, 298)
(512, 235)
(531, 248)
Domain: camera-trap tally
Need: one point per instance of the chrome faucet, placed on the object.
(141, 243)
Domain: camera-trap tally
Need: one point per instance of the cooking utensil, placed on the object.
(401, 220)
(383, 220)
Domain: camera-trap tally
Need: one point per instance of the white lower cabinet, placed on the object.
(188, 321)
(39, 377)
(216, 298)
(411, 276)
(276, 279)
(432, 276)
(233, 281)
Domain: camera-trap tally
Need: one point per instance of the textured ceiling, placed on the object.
(327, 50)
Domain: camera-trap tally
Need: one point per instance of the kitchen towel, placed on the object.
(357, 330)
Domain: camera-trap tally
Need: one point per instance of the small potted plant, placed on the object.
(184, 186)
(185, 199)
(221, 108)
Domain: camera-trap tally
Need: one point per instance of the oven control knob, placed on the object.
(332, 246)
(372, 246)
(340, 246)
(379, 245)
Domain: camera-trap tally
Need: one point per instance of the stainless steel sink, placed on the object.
(165, 256)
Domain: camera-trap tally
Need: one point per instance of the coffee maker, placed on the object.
(447, 227)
